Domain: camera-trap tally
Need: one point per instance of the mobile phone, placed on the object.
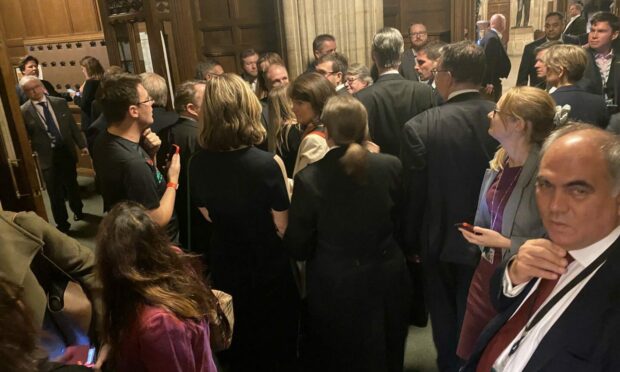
(174, 149)
(83, 355)
(465, 226)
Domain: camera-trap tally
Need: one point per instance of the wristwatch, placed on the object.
(174, 185)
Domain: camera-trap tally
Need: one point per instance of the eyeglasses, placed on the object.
(351, 79)
(151, 100)
(435, 72)
(415, 34)
(325, 73)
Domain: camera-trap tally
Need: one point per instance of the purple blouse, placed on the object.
(498, 194)
(160, 341)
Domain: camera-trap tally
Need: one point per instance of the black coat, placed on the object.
(390, 102)
(585, 106)
(85, 102)
(445, 153)
(357, 281)
(578, 26)
(163, 118)
(592, 81)
(496, 58)
(407, 66)
(586, 337)
(527, 71)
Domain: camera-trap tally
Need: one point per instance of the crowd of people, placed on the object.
(335, 207)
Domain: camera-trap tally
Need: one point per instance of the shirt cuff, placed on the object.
(508, 289)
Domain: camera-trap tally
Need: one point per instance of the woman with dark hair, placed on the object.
(309, 93)
(93, 72)
(155, 303)
(342, 220)
(283, 130)
(507, 215)
(242, 191)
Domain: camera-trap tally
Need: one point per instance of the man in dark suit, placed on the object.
(29, 66)
(419, 38)
(53, 136)
(157, 88)
(497, 61)
(600, 76)
(188, 100)
(391, 100)
(554, 24)
(445, 152)
(577, 23)
(560, 296)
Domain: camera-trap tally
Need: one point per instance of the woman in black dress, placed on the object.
(242, 191)
(342, 220)
(93, 72)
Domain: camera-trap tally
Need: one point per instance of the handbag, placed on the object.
(221, 320)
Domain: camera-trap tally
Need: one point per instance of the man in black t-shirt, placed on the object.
(125, 161)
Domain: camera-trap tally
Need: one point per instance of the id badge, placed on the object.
(488, 254)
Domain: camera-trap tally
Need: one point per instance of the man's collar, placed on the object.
(585, 256)
(390, 72)
(499, 34)
(187, 117)
(462, 91)
(34, 102)
(340, 87)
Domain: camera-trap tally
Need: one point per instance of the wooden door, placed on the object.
(21, 185)
(224, 28)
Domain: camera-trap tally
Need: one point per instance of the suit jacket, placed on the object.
(445, 152)
(407, 66)
(591, 80)
(39, 138)
(585, 338)
(585, 106)
(390, 102)
(521, 220)
(163, 118)
(356, 273)
(496, 58)
(22, 237)
(577, 27)
(85, 101)
(527, 69)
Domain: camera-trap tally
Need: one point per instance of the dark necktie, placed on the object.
(512, 327)
(52, 129)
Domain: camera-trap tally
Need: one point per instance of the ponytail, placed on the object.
(354, 161)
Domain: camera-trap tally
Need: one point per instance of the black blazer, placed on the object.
(356, 273)
(591, 81)
(163, 118)
(496, 58)
(585, 338)
(390, 102)
(89, 93)
(527, 69)
(445, 153)
(578, 26)
(39, 138)
(407, 66)
(585, 106)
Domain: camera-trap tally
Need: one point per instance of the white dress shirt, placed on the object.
(583, 257)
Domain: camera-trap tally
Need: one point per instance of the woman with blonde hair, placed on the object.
(507, 215)
(283, 131)
(566, 65)
(242, 191)
(155, 306)
(342, 220)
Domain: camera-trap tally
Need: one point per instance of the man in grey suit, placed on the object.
(392, 99)
(54, 135)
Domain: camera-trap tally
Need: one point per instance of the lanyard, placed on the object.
(545, 309)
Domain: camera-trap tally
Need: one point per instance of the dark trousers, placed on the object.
(447, 285)
(61, 180)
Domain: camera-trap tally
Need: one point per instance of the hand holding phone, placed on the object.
(467, 227)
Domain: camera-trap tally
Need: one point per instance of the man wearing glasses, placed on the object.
(445, 152)
(419, 38)
(334, 67)
(125, 160)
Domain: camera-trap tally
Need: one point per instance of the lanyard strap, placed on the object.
(554, 300)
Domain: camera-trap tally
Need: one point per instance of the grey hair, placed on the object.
(27, 79)
(362, 72)
(156, 87)
(388, 47)
(608, 142)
